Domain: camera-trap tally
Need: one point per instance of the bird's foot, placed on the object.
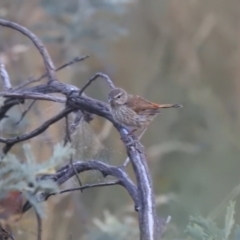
(131, 132)
(129, 141)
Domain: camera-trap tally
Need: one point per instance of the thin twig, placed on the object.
(107, 78)
(47, 138)
(5, 78)
(67, 134)
(78, 118)
(11, 141)
(86, 186)
(67, 172)
(39, 225)
(4, 234)
(76, 173)
(50, 69)
(25, 112)
(68, 139)
(97, 75)
(8, 104)
(76, 59)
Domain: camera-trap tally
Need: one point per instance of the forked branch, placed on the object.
(141, 193)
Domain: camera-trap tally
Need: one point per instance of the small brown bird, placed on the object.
(134, 111)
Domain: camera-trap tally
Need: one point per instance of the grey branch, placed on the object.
(5, 78)
(50, 69)
(67, 172)
(142, 193)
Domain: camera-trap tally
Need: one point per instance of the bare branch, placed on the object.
(25, 112)
(5, 77)
(78, 118)
(50, 69)
(107, 78)
(39, 225)
(97, 75)
(9, 103)
(11, 141)
(146, 203)
(69, 139)
(142, 194)
(67, 172)
(126, 162)
(31, 95)
(76, 59)
(86, 186)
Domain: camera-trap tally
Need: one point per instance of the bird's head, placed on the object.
(117, 96)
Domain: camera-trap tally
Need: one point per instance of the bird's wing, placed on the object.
(139, 104)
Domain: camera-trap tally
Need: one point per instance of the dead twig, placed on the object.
(76, 59)
(50, 69)
(5, 78)
(12, 141)
(86, 186)
(68, 139)
(97, 75)
(25, 112)
(39, 225)
(67, 172)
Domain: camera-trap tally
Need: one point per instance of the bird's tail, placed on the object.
(170, 106)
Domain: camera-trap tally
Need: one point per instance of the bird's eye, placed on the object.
(118, 96)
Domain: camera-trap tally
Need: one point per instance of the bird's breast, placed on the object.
(127, 116)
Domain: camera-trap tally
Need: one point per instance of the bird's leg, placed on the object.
(142, 133)
(132, 131)
(132, 142)
(129, 132)
(138, 138)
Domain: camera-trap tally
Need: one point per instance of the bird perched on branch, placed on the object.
(134, 111)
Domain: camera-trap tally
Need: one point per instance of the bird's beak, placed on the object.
(109, 100)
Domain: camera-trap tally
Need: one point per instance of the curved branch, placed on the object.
(30, 95)
(68, 171)
(8, 104)
(50, 69)
(147, 206)
(76, 59)
(11, 141)
(144, 190)
(146, 203)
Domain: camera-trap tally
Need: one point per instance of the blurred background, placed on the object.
(171, 51)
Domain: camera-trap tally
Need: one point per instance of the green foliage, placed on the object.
(21, 175)
(111, 228)
(200, 228)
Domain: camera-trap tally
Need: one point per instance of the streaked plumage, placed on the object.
(134, 111)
